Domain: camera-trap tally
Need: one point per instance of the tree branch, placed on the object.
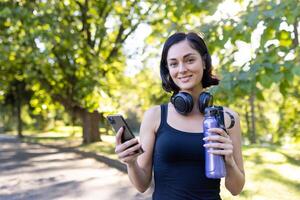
(101, 11)
(70, 78)
(296, 39)
(85, 25)
(116, 43)
(102, 31)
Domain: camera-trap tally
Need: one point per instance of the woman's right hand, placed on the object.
(128, 151)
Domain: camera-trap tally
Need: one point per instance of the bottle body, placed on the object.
(214, 164)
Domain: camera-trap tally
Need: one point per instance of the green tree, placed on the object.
(274, 60)
(72, 49)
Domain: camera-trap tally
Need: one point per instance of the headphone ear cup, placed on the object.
(205, 100)
(183, 103)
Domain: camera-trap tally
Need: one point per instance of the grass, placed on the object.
(272, 172)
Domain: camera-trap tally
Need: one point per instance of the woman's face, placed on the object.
(185, 66)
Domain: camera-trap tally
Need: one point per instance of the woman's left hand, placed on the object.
(220, 144)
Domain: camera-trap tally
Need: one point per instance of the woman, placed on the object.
(173, 142)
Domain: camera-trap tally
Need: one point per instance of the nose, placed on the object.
(182, 68)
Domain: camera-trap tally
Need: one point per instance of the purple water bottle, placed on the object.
(214, 164)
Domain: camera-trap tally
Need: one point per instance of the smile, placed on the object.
(185, 78)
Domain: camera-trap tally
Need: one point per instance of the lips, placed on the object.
(185, 79)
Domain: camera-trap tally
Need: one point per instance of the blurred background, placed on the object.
(66, 64)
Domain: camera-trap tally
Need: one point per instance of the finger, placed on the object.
(217, 138)
(125, 145)
(130, 151)
(218, 131)
(221, 152)
(130, 158)
(119, 135)
(222, 146)
(122, 147)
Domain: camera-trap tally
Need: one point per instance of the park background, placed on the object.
(65, 65)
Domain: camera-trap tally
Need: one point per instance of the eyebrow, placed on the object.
(187, 55)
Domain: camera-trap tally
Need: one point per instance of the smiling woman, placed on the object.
(173, 141)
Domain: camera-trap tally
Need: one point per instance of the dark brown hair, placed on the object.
(197, 43)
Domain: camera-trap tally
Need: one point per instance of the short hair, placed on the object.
(197, 43)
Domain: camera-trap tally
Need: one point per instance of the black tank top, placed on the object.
(178, 164)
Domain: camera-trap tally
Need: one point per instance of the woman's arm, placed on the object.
(139, 166)
(230, 145)
(235, 178)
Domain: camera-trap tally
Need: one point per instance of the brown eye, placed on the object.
(190, 60)
(172, 65)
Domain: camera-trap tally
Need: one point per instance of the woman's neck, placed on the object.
(195, 92)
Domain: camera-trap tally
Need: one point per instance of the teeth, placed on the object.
(185, 77)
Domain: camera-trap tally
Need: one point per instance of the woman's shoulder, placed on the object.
(153, 112)
(152, 116)
(231, 111)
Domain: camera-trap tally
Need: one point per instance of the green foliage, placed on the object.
(270, 29)
(68, 51)
(72, 52)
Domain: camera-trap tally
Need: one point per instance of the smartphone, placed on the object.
(117, 121)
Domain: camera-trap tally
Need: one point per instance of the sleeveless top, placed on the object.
(179, 165)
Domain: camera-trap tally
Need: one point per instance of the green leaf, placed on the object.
(252, 18)
(5, 12)
(266, 81)
(259, 95)
(296, 70)
(283, 88)
(277, 77)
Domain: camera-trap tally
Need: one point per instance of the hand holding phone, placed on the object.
(117, 122)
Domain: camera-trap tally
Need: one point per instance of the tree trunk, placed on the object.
(90, 126)
(20, 87)
(90, 120)
(280, 131)
(247, 118)
(252, 110)
(19, 117)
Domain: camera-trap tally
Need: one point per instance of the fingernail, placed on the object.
(205, 138)
(205, 145)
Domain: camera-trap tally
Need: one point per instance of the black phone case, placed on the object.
(117, 121)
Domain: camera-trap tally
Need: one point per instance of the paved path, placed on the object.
(32, 171)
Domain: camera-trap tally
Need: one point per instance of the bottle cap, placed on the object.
(210, 111)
